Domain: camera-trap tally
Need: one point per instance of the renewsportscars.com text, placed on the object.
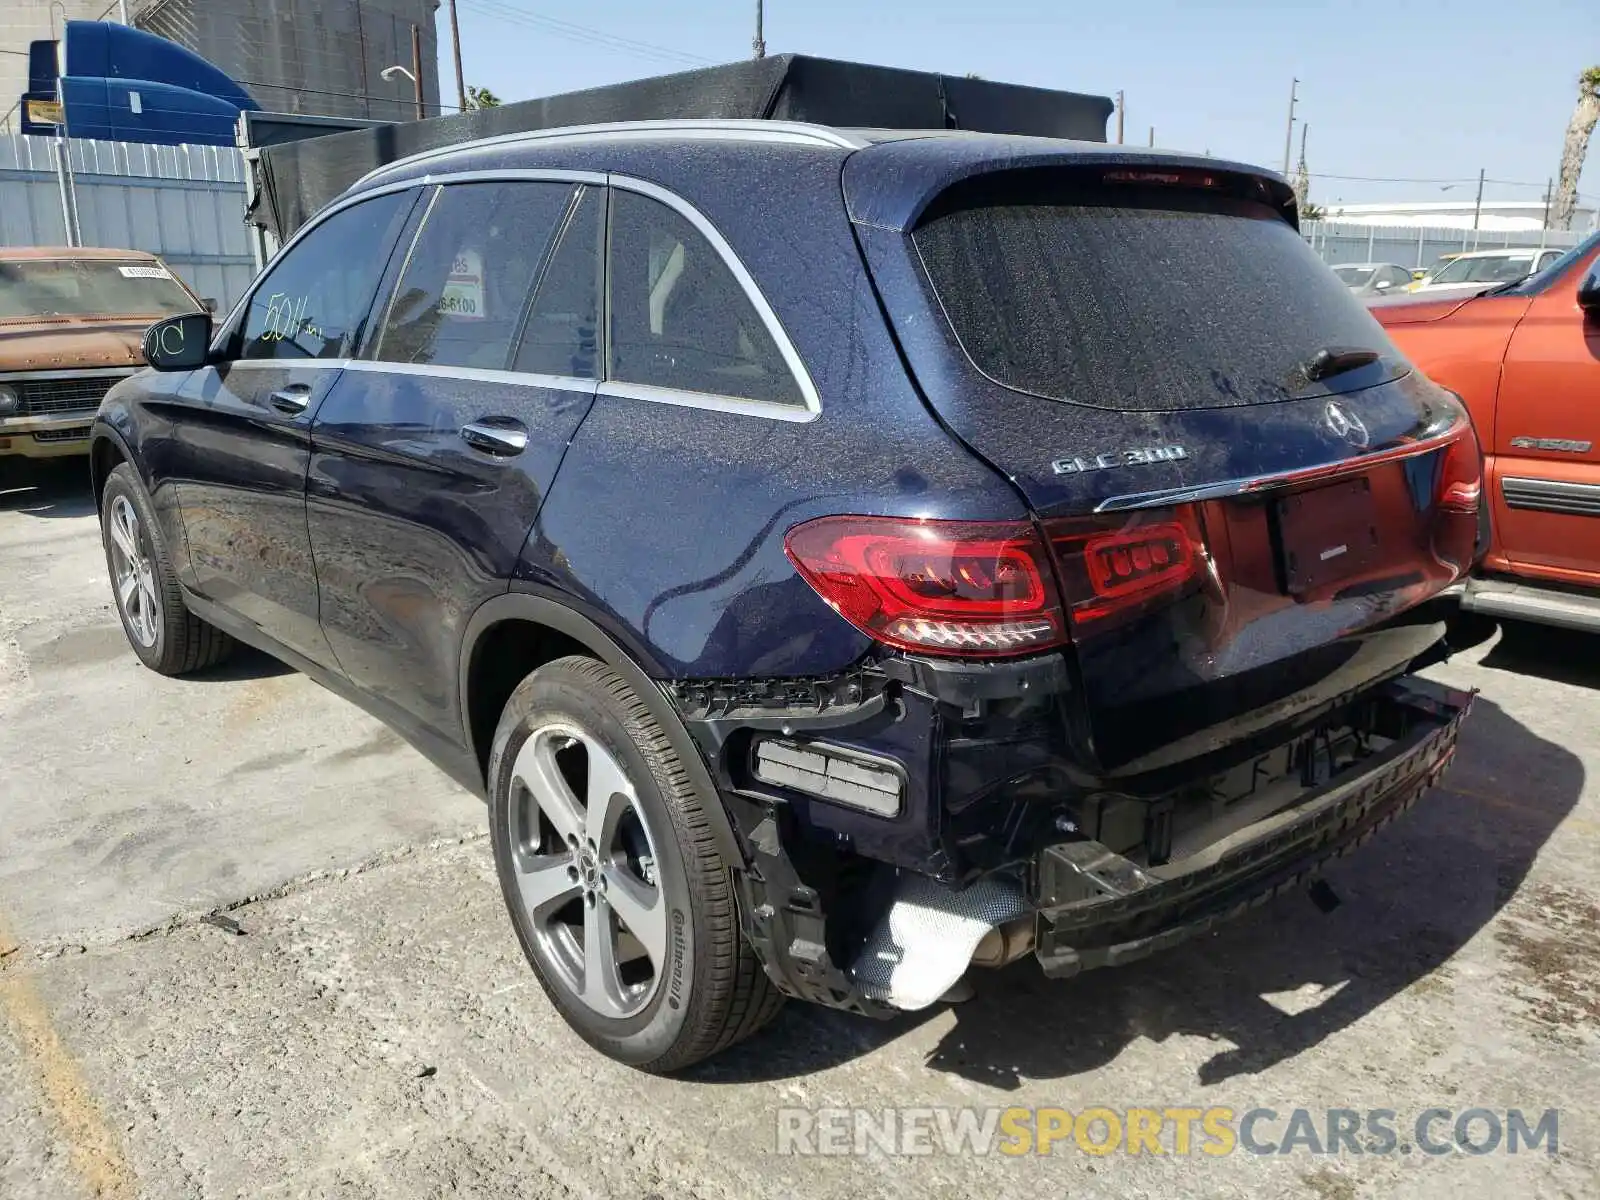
(1214, 1131)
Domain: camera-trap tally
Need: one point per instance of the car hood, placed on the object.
(1419, 307)
(66, 343)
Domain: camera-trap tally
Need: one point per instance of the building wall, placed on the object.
(24, 21)
(308, 56)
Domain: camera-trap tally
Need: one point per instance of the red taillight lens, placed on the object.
(1117, 571)
(1461, 479)
(942, 587)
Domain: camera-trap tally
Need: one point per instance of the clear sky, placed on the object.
(1400, 90)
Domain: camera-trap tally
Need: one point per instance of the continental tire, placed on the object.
(611, 874)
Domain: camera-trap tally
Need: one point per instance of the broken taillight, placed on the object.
(975, 589)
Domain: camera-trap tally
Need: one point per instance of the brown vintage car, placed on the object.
(71, 325)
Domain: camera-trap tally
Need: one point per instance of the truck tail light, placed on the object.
(1109, 572)
(1461, 476)
(966, 588)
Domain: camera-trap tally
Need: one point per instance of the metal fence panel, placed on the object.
(1415, 246)
(185, 203)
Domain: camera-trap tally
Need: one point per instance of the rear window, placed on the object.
(1138, 297)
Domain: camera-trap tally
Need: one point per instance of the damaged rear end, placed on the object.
(1182, 683)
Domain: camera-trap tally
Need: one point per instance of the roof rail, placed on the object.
(793, 133)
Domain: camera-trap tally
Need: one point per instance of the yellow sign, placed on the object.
(45, 112)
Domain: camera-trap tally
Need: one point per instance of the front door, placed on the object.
(1546, 482)
(432, 456)
(248, 429)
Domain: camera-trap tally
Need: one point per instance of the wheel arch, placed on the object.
(513, 634)
(106, 449)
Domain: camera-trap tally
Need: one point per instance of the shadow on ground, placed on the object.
(47, 487)
(245, 662)
(1559, 655)
(1412, 897)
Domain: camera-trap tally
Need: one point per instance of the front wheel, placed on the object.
(611, 875)
(166, 636)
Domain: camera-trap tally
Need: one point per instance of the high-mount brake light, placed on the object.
(1180, 178)
(967, 588)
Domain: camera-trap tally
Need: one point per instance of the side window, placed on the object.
(465, 284)
(313, 302)
(1548, 257)
(1398, 277)
(561, 335)
(678, 317)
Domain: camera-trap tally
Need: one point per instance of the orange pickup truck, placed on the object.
(1526, 359)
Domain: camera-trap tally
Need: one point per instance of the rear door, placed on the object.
(1546, 485)
(245, 445)
(1235, 465)
(433, 454)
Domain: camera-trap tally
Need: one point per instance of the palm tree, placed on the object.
(1576, 147)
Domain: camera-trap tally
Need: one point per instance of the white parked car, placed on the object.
(1479, 270)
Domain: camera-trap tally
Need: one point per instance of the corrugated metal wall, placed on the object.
(185, 203)
(1413, 247)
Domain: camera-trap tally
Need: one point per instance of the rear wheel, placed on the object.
(611, 875)
(165, 635)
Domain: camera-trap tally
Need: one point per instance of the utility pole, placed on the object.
(1549, 190)
(122, 8)
(1122, 112)
(455, 46)
(759, 45)
(1477, 206)
(1288, 135)
(416, 71)
(1152, 135)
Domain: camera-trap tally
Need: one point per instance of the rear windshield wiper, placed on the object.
(1331, 361)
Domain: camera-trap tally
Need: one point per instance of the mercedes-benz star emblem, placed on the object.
(1345, 424)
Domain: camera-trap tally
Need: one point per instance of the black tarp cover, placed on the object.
(298, 178)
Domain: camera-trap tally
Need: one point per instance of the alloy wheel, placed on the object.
(587, 871)
(133, 572)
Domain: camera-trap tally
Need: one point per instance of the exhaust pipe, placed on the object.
(930, 935)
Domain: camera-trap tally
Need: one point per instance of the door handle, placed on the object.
(292, 400)
(502, 436)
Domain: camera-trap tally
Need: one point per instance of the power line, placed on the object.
(506, 11)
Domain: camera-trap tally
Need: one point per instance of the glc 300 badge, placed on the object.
(1137, 456)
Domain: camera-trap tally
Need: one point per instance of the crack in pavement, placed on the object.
(10, 949)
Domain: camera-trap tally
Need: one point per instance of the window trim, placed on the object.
(617, 389)
(811, 403)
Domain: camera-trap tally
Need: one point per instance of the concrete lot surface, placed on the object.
(371, 1030)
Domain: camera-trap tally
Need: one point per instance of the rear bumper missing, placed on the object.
(1097, 908)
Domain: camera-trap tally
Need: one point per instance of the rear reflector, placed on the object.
(974, 589)
(831, 773)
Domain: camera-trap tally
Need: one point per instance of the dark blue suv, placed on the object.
(840, 558)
